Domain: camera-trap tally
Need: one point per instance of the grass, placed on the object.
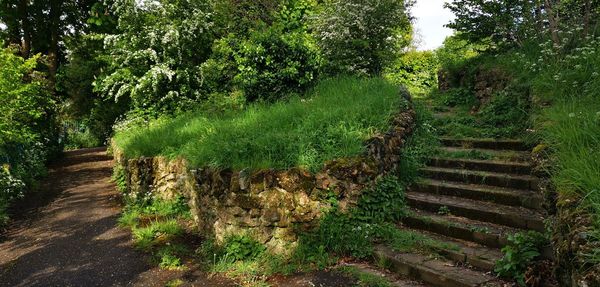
(364, 279)
(564, 89)
(158, 228)
(335, 119)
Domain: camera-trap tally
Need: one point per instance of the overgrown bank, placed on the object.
(549, 96)
(345, 229)
(333, 121)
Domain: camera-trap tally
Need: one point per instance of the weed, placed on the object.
(365, 279)
(156, 233)
(174, 283)
(443, 210)
(522, 249)
(242, 247)
(169, 256)
(119, 177)
(382, 202)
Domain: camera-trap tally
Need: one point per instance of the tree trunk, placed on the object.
(25, 26)
(552, 20)
(54, 39)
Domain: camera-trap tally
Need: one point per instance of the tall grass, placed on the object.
(333, 121)
(569, 84)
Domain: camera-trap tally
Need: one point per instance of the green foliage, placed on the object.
(382, 202)
(155, 58)
(158, 228)
(339, 234)
(522, 249)
(456, 97)
(365, 279)
(456, 52)
(242, 247)
(169, 256)
(337, 118)
(156, 232)
(361, 37)
(79, 136)
(507, 113)
(510, 23)
(27, 126)
(420, 145)
(266, 60)
(269, 64)
(504, 115)
(416, 70)
(119, 177)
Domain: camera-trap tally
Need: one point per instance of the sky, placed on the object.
(430, 20)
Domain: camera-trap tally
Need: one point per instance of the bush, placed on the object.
(416, 70)
(241, 247)
(27, 126)
(382, 202)
(269, 61)
(155, 57)
(522, 249)
(360, 36)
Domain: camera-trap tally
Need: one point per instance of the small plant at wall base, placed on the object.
(382, 202)
(523, 249)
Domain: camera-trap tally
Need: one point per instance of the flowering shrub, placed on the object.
(155, 59)
(361, 36)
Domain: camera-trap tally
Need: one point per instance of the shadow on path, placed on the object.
(74, 240)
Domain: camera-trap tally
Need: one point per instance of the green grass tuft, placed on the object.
(333, 122)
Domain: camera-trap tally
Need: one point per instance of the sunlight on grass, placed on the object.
(336, 119)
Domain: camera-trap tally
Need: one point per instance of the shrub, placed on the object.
(267, 62)
(241, 247)
(382, 202)
(522, 249)
(272, 64)
(155, 57)
(416, 70)
(27, 126)
(360, 36)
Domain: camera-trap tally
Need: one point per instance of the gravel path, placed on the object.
(74, 240)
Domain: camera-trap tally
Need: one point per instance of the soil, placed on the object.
(74, 240)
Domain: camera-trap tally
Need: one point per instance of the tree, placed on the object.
(511, 22)
(359, 36)
(156, 52)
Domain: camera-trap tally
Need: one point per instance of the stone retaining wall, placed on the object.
(269, 205)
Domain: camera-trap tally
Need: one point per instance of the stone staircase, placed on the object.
(473, 205)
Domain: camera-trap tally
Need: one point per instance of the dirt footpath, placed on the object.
(74, 240)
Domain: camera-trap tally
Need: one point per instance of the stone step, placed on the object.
(482, 165)
(488, 154)
(484, 233)
(517, 217)
(499, 195)
(437, 272)
(464, 252)
(513, 181)
(486, 143)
